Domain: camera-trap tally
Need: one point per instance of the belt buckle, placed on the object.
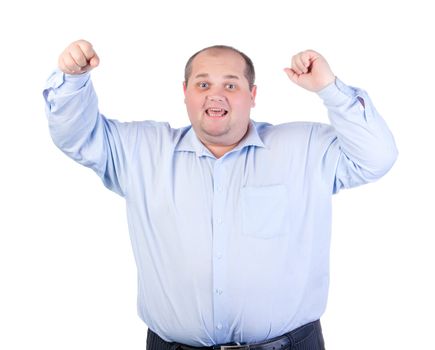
(235, 347)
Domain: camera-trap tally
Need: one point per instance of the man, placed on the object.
(229, 218)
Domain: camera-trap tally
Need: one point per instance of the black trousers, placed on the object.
(307, 337)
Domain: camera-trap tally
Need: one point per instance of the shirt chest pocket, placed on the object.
(265, 211)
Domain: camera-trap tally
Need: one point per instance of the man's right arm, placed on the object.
(75, 123)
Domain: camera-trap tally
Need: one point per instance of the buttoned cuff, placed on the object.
(67, 82)
(336, 93)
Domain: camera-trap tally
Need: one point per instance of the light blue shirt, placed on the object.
(235, 248)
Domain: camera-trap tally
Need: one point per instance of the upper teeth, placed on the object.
(216, 111)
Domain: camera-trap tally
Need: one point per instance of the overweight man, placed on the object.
(229, 218)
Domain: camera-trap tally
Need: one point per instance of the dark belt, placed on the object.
(308, 336)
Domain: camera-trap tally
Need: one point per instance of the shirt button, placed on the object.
(219, 326)
(220, 221)
(219, 255)
(219, 291)
(219, 189)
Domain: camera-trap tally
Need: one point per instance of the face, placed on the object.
(218, 99)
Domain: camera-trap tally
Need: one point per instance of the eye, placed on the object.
(231, 86)
(203, 85)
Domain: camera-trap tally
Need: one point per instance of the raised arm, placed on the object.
(360, 145)
(75, 123)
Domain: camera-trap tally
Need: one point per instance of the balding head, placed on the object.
(216, 50)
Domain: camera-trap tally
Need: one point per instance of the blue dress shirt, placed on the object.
(235, 248)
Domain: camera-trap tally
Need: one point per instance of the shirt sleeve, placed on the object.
(366, 147)
(81, 132)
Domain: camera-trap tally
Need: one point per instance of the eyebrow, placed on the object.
(205, 75)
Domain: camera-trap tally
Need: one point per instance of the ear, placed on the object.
(184, 90)
(253, 95)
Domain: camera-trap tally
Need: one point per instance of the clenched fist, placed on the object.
(310, 70)
(79, 57)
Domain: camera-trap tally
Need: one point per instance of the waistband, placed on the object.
(306, 337)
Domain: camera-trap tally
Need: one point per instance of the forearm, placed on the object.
(80, 131)
(367, 144)
(72, 111)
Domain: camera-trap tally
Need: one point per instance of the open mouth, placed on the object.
(216, 112)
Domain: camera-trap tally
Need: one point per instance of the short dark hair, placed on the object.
(249, 66)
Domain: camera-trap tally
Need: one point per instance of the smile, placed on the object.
(216, 112)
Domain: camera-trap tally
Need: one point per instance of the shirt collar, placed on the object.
(189, 142)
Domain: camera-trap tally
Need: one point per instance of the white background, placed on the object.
(67, 274)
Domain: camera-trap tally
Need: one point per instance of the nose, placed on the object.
(216, 98)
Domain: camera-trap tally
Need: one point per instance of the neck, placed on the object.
(219, 150)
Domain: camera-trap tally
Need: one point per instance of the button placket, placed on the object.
(219, 262)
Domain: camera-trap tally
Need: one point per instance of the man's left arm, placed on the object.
(366, 146)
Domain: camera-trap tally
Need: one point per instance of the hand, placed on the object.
(79, 57)
(310, 70)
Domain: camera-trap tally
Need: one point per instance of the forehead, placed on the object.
(218, 59)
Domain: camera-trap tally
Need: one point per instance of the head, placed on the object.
(219, 93)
